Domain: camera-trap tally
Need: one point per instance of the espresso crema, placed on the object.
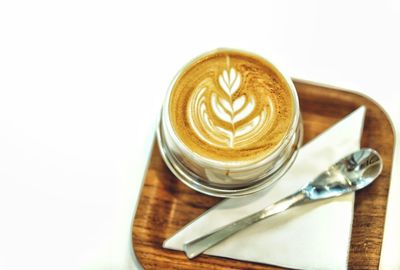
(232, 106)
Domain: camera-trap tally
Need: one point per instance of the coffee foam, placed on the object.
(231, 106)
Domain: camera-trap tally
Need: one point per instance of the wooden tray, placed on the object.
(166, 204)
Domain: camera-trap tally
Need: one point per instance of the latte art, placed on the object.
(240, 127)
(231, 106)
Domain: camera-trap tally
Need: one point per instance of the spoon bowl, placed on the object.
(351, 173)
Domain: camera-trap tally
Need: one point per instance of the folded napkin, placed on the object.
(313, 236)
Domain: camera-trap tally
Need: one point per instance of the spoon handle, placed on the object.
(201, 244)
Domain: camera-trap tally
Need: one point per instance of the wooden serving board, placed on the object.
(166, 204)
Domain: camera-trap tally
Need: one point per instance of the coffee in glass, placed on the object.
(230, 123)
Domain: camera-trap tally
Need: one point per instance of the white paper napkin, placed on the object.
(313, 236)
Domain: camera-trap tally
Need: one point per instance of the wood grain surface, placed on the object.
(166, 205)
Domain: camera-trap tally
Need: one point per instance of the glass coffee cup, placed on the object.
(230, 124)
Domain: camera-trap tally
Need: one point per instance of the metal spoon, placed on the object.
(352, 173)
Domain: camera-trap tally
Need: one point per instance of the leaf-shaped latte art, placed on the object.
(229, 81)
(235, 123)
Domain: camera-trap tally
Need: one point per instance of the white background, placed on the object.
(81, 85)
